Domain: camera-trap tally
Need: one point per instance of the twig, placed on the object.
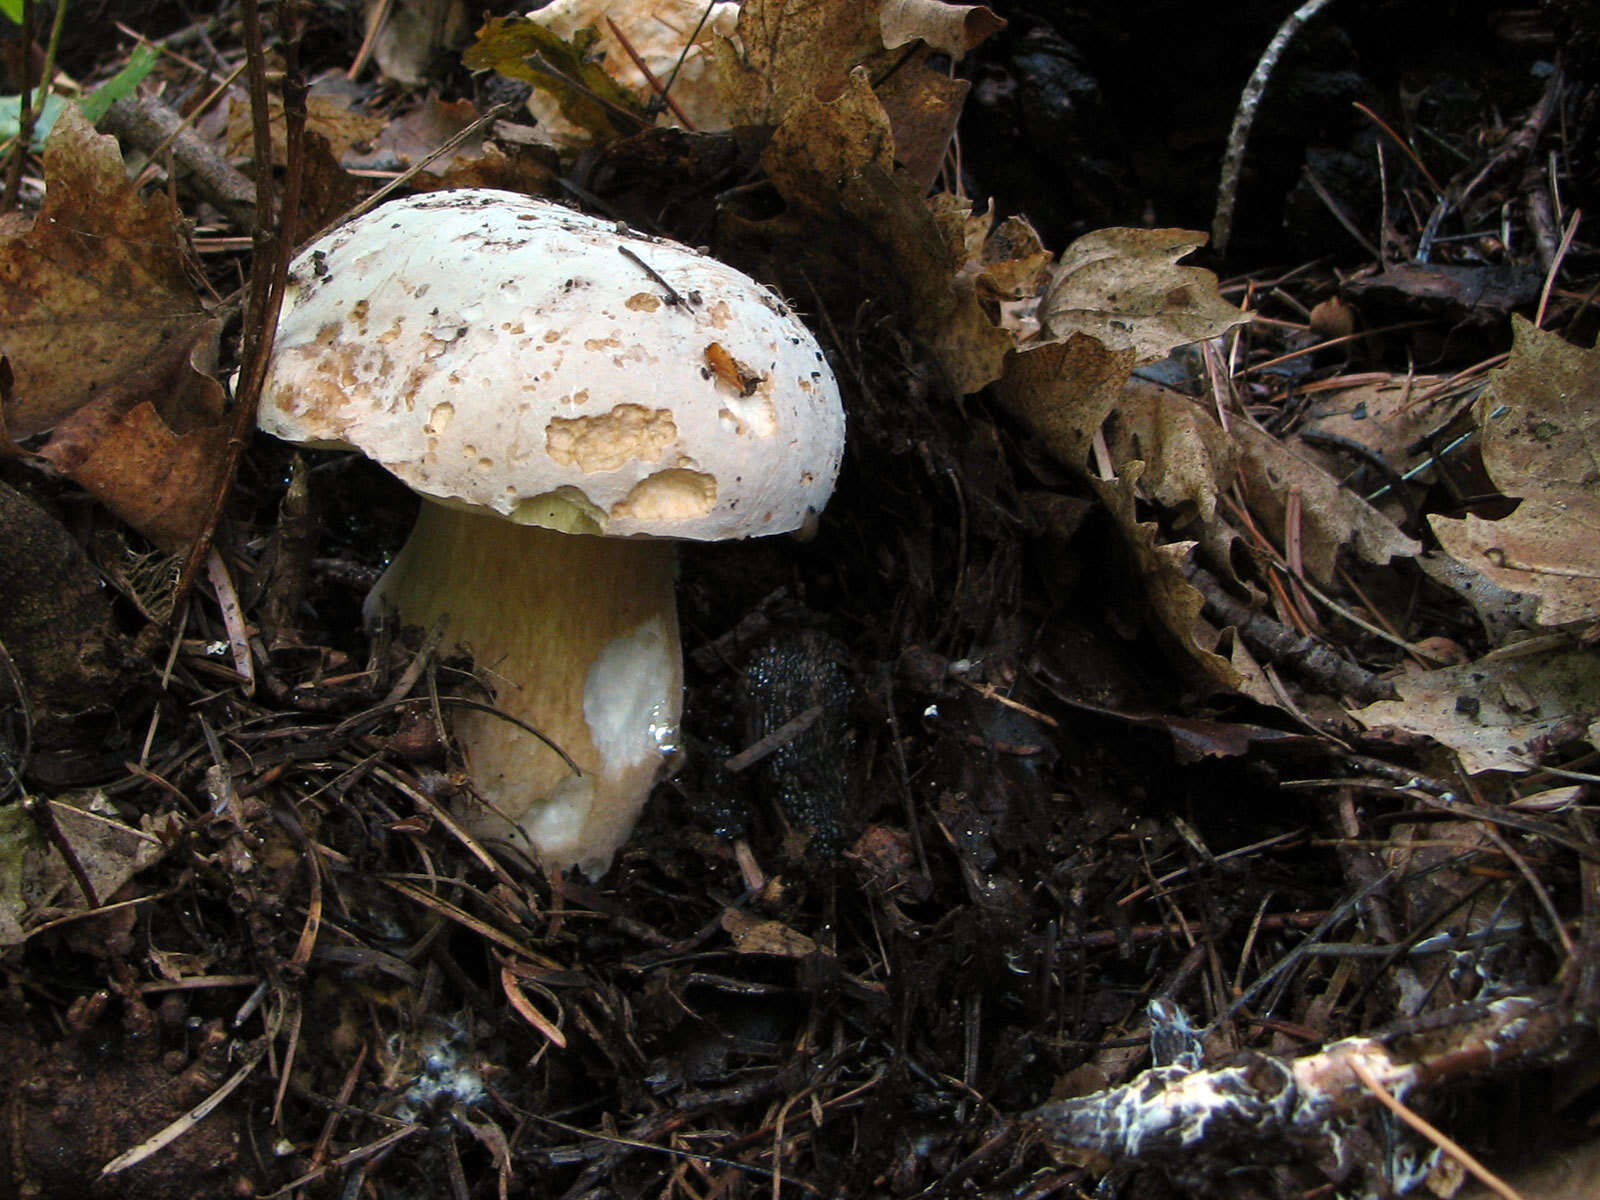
(233, 620)
(375, 22)
(387, 1141)
(269, 276)
(1331, 203)
(406, 176)
(29, 115)
(688, 43)
(673, 297)
(1386, 1098)
(779, 737)
(1405, 147)
(146, 122)
(1518, 146)
(649, 75)
(1249, 101)
(15, 770)
(1312, 658)
(1555, 266)
(165, 1137)
(1169, 1112)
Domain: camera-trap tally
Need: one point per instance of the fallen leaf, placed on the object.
(1331, 516)
(520, 48)
(1196, 739)
(101, 320)
(1476, 294)
(1491, 711)
(1501, 612)
(752, 935)
(157, 479)
(951, 265)
(1382, 415)
(98, 286)
(1123, 287)
(1010, 261)
(1189, 458)
(924, 108)
(660, 33)
(783, 54)
(328, 114)
(34, 876)
(57, 624)
(1064, 391)
(415, 35)
(951, 29)
(832, 161)
(823, 144)
(1544, 450)
(1174, 602)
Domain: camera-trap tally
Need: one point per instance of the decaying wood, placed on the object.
(1262, 1100)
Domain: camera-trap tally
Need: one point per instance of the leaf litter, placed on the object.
(1126, 840)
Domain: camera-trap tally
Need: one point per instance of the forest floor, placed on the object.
(1167, 769)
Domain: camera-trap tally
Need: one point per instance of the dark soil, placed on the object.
(857, 969)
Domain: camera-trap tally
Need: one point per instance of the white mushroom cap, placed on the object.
(504, 353)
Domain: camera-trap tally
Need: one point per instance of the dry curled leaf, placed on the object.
(752, 935)
(833, 162)
(822, 144)
(1175, 603)
(923, 107)
(1063, 391)
(951, 29)
(1543, 450)
(1189, 458)
(157, 478)
(328, 114)
(35, 880)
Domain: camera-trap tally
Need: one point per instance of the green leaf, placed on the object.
(44, 118)
(94, 105)
(140, 63)
(12, 10)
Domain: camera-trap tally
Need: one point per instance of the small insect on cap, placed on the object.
(507, 353)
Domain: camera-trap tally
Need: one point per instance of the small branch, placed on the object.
(274, 240)
(779, 737)
(650, 76)
(1386, 1098)
(28, 115)
(1249, 101)
(146, 122)
(1311, 657)
(1168, 1112)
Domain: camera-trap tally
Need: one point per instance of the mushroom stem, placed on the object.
(579, 637)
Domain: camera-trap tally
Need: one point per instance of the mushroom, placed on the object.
(567, 396)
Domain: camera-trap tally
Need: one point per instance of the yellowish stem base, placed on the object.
(578, 636)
